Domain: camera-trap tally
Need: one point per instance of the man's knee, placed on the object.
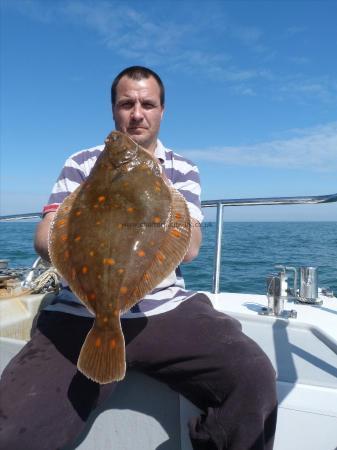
(261, 381)
(247, 373)
(23, 437)
(20, 438)
(256, 381)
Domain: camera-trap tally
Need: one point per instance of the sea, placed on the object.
(250, 251)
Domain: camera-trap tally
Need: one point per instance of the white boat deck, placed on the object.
(302, 350)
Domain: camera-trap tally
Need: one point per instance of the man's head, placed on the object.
(137, 97)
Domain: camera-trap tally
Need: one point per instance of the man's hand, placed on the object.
(41, 236)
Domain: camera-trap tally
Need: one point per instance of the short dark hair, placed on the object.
(137, 73)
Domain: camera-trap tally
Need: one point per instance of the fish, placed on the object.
(114, 239)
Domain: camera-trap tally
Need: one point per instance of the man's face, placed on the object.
(137, 111)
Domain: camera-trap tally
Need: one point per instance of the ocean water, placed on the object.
(249, 252)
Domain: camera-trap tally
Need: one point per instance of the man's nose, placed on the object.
(137, 112)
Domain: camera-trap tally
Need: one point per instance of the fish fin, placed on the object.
(172, 250)
(59, 248)
(58, 237)
(102, 357)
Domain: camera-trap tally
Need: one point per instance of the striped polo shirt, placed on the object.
(184, 176)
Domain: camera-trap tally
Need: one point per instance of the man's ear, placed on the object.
(113, 112)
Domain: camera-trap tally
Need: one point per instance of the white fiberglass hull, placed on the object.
(303, 351)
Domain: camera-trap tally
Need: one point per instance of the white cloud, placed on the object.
(294, 30)
(132, 33)
(299, 60)
(301, 87)
(314, 148)
(42, 12)
(126, 30)
(248, 36)
(158, 37)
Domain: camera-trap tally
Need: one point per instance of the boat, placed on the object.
(296, 327)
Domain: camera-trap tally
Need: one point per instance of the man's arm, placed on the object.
(196, 238)
(41, 236)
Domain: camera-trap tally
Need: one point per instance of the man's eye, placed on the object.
(148, 105)
(126, 105)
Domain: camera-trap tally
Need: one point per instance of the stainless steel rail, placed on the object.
(219, 204)
(12, 217)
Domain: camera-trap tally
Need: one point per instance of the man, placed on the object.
(172, 335)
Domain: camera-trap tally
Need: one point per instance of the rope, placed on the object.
(44, 279)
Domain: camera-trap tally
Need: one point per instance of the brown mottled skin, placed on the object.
(119, 234)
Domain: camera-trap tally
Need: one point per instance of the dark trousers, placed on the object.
(196, 350)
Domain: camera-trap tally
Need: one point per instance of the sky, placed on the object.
(251, 93)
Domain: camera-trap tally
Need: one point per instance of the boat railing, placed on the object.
(23, 216)
(220, 204)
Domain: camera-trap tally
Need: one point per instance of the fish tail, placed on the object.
(102, 357)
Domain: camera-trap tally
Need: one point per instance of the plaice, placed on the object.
(114, 239)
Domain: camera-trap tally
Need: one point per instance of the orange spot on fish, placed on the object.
(95, 205)
(158, 183)
(126, 183)
(157, 189)
(77, 238)
(175, 233)
(130, 209)
(98, 222)
(119, 226)
(78, 213)
(120, 271)
(101, 198)
(91, 253)
(110, 305)
(66, 254)
(177, 216)
(112, 344)
(92, 296)
(160, 256)
(60, 223)
(116, 313)
(85, 269)
(105, 319)
(151, 242)
(123, 290)
(98, 342)
(156, 219)
(141, 253)
(64, 237)
(109, 261)
(99, 276)
(146, 276)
